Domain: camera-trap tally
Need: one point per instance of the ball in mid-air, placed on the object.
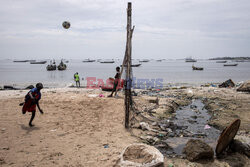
(66, 24)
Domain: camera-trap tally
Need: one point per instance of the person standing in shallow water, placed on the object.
(77, 79)
(31, 101)
(116, 81)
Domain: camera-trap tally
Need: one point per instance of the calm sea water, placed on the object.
(171, 71)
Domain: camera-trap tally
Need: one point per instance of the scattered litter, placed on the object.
(141, 155)
(101, 95)
(170, 165)
(3, 129)
(106, 146)
(207, 127)
(190, 91)
(227, 83)
(53, 130)
(93, 95)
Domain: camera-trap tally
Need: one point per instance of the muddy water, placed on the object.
(191, 122)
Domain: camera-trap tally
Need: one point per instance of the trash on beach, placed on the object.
(140, 154)
(228, 83)
(190, 91)
(53, 130)
(101, 95)
(207, 127)
(170, 165)
(93, 95)
(106, 146)
(227, 136)
(244, 87)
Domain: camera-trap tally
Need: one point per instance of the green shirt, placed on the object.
(76, 77)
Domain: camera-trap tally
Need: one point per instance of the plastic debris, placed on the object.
(92, 95)
(207, 127)
(101, 95)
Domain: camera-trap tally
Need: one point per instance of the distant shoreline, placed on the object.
(230, 58)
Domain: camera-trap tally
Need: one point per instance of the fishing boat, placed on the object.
(197, 68)
(51, 67)
(189, 59)
(107, 61)
(133, 65)
(221, 61)
(61, 66)
(88, 61)
(230, 64)
(144, 61)
(38, 62)
(20, 61)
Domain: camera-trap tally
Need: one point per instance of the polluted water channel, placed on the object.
(190, 122)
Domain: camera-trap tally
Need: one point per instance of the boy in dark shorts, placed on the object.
(31, 101)
(116, 81)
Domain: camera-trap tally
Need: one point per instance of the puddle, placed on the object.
(189, 123)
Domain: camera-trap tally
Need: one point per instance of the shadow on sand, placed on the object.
(28, 128)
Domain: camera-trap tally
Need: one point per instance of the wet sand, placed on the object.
(80, 129)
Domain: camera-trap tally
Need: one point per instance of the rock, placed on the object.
(141, 155)
(240, 147)
(197, 149)
(245, 87)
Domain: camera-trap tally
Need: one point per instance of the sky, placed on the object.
(169, 29)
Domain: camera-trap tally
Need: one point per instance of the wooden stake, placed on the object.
(128, 82)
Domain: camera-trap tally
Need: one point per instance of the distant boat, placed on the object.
(66, 61)
(107, 61)
(38, 62)
(239, 60)
(190, 60)
(62, 66)
(88, 61)
(230, 64)
(159, 60)
(143, 61)
(197, 68)
(133, 65)
(51, 67)
(20, 61)
(222, 61)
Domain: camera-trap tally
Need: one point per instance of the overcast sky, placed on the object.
(168, 29)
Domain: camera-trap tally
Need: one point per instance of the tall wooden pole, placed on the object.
(128, 82)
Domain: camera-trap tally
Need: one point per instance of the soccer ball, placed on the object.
(66, 24)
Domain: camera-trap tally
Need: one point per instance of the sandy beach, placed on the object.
(79, 128)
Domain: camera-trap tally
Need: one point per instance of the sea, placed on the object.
(168, 72)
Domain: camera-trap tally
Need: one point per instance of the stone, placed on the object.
(240, 147)
(245, 87)
(196, 150)
(142, 155)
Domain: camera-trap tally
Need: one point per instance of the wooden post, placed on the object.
(128, 82)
